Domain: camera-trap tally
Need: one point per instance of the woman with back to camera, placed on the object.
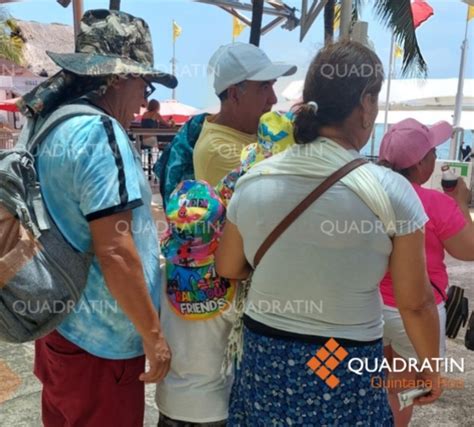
(327, 257)
(409, 148)
(152, 118)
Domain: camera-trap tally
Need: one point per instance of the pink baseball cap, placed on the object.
(408, 142)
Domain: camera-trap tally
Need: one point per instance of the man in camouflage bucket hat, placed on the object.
(93, 366)
(112, 42)
(109, 43)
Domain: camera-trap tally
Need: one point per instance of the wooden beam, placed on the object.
(78, 11)
(256, 28)
(308, 16)
(329, 13)
(114, 5)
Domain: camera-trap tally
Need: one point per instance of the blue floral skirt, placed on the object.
(275, 387)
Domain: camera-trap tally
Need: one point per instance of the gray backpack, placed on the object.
(41, 275)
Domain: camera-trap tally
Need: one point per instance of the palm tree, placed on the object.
(11, 41)
(396, 15)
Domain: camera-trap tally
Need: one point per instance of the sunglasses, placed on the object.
(149, 88)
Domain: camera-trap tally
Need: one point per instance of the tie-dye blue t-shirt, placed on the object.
(86, 175)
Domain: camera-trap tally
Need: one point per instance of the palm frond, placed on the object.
(397, 15)
(11, 42)
(10, 50)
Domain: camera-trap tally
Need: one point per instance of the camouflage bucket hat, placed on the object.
(113, 42)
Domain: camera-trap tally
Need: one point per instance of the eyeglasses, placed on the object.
(149, 88)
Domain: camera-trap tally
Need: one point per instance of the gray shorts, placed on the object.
(394, 333)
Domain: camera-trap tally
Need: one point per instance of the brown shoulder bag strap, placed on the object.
(304, 204)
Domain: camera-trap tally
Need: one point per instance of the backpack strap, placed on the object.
(33, 134)
(35, 131)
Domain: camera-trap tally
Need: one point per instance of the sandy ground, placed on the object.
(20, 390)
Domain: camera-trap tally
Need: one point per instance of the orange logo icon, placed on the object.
(326, 359)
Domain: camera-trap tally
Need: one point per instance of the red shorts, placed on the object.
(80, 389)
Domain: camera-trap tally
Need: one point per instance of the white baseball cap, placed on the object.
(237, 62)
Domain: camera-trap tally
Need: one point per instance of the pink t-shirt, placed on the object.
(445, 221)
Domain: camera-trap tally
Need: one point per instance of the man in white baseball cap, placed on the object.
(243, 80)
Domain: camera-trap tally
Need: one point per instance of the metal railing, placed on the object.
(150, 143)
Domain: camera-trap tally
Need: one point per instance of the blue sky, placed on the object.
(206, 27)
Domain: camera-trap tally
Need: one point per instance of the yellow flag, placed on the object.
(470, 13)
(237, 27)
(337, 17)
(176, 31)
(398, 53)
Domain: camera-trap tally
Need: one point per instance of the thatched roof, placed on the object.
(42, 37)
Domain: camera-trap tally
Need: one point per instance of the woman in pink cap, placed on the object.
(409, 148)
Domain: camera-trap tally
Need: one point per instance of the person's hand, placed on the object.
(433, 379)
(158, 355)
(461, 193)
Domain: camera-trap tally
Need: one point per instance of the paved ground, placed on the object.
(20, 391)
(455, 407)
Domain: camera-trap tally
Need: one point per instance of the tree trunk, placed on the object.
(114, 5)
(329, 11)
